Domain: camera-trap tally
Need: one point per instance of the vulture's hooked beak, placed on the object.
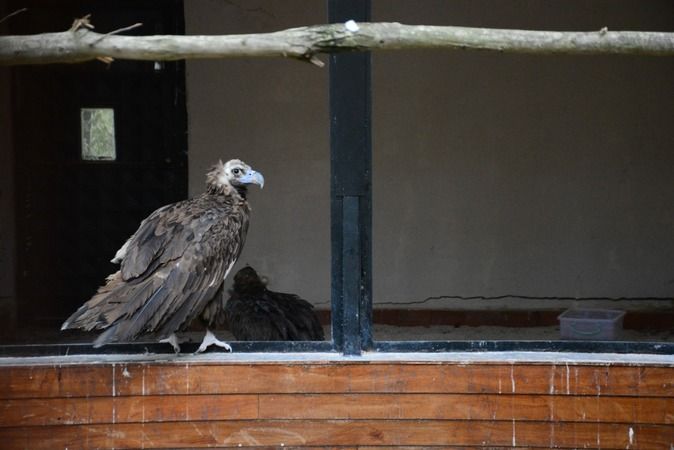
(252, 177)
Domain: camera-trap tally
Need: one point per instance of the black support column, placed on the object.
(351, 187)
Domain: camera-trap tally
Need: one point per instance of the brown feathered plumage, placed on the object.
(254, 313)
(175, 263)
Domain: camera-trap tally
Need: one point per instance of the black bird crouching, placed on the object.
(254, 313)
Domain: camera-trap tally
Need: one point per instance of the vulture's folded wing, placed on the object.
(164, 236)
(257, 319)
(301, 313)
(174, 265)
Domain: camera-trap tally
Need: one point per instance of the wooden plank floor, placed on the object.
(336, 404)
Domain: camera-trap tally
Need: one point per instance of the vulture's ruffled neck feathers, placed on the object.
(218, 182)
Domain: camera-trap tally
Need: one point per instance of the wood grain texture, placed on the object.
(338, 432)
(50, 381)
(303, 43)
(468, 407)
(100, 410)
(183, 379)
(138, 409)
(336, 405)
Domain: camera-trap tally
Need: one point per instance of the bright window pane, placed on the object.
(98, 134)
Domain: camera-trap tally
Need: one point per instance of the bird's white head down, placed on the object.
(231, 176)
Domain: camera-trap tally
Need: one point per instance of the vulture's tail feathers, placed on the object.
(127, 329)
(214, 314)
(126, 310)
(106, 337)
(189, 309)
(90, 315)
(79, 320)
(147, 307)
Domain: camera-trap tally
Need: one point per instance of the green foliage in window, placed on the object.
(98, 134)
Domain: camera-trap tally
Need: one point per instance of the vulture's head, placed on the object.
(247, 280)
(232, 175)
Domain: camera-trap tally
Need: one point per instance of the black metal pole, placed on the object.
(351, 187)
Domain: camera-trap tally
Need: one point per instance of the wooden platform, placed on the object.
(190, 403)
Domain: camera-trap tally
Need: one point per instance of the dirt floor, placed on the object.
(493, 333)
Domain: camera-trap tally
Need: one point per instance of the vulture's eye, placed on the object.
(236, 171)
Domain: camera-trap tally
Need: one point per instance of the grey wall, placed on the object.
(493, 174)
(273, 115)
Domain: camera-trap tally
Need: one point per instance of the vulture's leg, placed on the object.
(210, 339)
(173, 340)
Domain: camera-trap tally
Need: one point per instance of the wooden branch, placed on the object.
(10, 15)
(304, 43)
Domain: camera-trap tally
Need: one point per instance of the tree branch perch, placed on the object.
(304, 43)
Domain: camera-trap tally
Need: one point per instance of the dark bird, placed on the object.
(254, 313)
(174, 264)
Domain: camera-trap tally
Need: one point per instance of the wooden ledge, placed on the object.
(562, 358)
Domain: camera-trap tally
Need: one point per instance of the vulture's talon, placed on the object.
(210, 339)
(173, 340)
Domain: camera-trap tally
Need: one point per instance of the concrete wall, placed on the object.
(273, 114)
(493, 174)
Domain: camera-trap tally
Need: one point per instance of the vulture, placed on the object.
(175, 264)
(254, 313)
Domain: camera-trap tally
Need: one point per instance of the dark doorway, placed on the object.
(74, 209)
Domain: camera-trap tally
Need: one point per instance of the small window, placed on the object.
(98, 134)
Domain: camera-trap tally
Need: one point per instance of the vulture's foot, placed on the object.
(173, 340)
(210, 339)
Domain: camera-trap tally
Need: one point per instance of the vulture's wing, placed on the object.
(172, 266)
(163, 236)
(301, 313)
(257, 319)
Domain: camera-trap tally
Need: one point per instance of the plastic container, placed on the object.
(591, 324)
